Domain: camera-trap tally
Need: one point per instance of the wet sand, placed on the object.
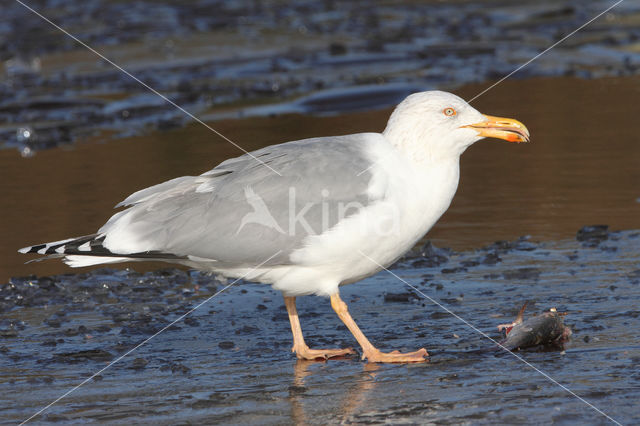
(581, 168)
(230, 362)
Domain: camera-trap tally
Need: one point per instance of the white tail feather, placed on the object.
(78, 261)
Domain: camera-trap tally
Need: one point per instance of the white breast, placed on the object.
(410, 200)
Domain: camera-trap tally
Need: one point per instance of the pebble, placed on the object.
(593, 235)
(399, 297)
(522, 274)
(139, 363)
(84, 355)
(226, 345)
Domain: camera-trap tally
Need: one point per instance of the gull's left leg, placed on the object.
(299, 346)
(368, 350)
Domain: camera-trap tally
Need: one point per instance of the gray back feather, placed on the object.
(241, 213)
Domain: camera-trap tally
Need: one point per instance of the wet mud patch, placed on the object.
(230, 360)
(221, 59)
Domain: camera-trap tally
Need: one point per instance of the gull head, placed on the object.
(438, 124)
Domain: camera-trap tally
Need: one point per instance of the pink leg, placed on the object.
(299, 346)
(369, 351)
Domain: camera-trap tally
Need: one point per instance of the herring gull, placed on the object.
(339, 209)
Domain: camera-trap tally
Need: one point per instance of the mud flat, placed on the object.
(216, 58)
(230, 360)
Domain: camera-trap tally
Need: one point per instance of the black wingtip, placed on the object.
(32, 249)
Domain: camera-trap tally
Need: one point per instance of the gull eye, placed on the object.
(449, 112)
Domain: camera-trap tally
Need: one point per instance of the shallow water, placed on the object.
(580, 168)
(230, 363)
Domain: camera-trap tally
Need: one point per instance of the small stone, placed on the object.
(593, 234)
(226, 345)
(399, 297)
(53, 322)
(522, 274)
(247, 329)
(139, 363)
(336, 48)
(9, 332)
(453, 270)
(192, 322)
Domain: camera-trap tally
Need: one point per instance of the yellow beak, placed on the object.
(502, 128)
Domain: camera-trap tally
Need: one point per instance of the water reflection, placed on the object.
(353, 395)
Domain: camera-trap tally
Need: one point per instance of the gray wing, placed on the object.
(241, 212)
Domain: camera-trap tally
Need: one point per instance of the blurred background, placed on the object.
(77, 135)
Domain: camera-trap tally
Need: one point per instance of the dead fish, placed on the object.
(545, 329)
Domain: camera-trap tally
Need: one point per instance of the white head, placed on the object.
(438, 124)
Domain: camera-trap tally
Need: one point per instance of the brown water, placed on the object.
(582, 167)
